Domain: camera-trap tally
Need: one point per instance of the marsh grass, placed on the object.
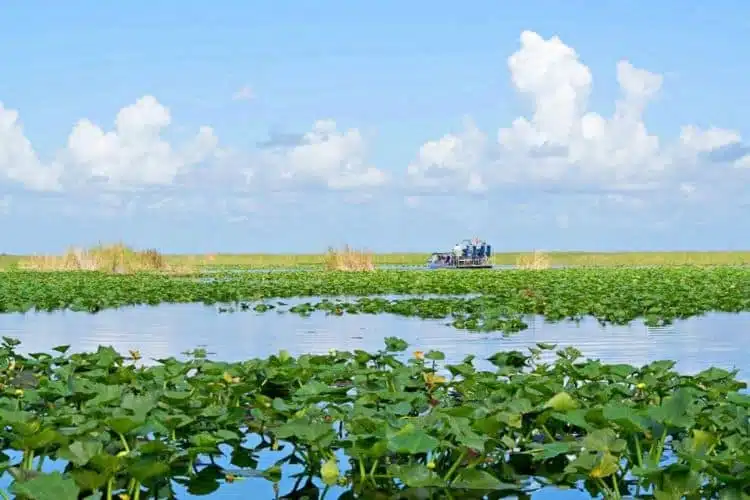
(348, 259)
(536, 260)
(114, 258)
(194, 262)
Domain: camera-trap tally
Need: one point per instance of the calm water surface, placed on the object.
(717, 339)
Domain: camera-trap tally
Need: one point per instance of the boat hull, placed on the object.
(459, 266)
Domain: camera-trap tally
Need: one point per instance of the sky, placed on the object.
(291, 126)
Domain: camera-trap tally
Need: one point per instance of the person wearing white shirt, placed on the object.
(457, 251)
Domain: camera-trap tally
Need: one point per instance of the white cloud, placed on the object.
(245, 93)
(134, 153)
(562, 142)
(18, 160)
(325, 156)
(450, 161)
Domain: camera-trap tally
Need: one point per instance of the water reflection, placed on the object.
(169, 329)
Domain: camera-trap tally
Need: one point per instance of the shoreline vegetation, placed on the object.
(122, 259)
(368, 425)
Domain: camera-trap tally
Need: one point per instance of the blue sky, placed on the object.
(290, 126)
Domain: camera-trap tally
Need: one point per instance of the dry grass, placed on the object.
(536, 260)
(117, 258)
(195, 262)
(348, 259)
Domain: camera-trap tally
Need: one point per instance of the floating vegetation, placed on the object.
(359, 422)
(658, 295)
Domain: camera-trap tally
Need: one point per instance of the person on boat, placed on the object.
(457, 251)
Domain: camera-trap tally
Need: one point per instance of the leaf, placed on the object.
(145, 469)
(474, 479)
(411, 440)
(81, 452)
(435, 356)
(552, 450)
(88, 480)
(604, 440)
(52, 486)
(123, 425)
(416, 476)
(675, 410)
(624, 416)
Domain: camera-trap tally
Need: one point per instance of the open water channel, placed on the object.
(717, 339)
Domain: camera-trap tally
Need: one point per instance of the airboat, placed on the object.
(469, 254)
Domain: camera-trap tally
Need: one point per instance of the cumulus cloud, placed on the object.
(18, 160)
(451, 161)
(135, 153)
(564, 143)
(323, 156)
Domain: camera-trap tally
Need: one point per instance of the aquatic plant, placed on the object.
(618, 296)
(536, 260)
(116, 258)
(348, 259)
(362, 422)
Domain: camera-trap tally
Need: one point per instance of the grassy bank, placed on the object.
(588, 259)
(270, 261)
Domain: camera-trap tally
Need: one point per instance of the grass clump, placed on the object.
(348, 259)
(116, 258)
(536, 260)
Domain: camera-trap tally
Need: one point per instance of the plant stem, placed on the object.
(616, 486)
(454, 466)
(124, 443)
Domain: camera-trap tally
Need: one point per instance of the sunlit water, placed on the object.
(716, 339)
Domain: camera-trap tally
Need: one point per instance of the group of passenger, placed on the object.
(471, 252)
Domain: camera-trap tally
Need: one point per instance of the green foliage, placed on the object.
(658, 295)
(402, 427)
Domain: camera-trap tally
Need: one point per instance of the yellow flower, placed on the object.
(432, 380)
(229, 379)
(606, 467)
(431, 464)
(136, 355)
(640, 386)
(19, 393)
(418, 355)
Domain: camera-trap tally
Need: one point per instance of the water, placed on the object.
(169, 329)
